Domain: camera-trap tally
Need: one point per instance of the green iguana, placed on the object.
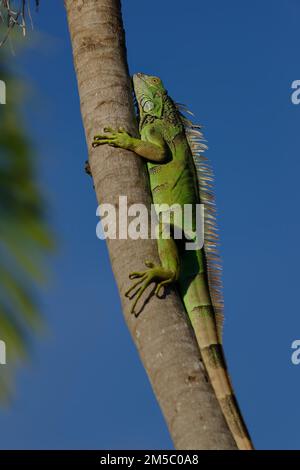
(180, 174)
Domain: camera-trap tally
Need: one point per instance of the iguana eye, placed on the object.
(155, 80)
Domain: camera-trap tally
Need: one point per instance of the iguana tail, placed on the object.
(202, 293)
(202, 316)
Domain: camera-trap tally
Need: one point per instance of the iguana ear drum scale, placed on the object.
(180, 174)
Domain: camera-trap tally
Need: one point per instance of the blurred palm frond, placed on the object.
(24, 235)
(15, 13)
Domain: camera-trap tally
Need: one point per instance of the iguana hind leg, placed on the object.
(161, 275)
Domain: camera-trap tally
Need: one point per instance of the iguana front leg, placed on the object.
(156, 151)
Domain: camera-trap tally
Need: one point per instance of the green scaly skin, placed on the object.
(164, 146)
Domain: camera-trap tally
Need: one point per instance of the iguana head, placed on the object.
(149, 92)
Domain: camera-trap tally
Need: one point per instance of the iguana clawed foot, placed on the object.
(157, 274)
(114, 138)
(87, 168)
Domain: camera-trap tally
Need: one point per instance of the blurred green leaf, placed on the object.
(25, 238)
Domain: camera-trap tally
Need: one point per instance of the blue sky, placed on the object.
(233, 64)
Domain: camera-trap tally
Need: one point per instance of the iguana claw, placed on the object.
(114, 138)
(156, 274)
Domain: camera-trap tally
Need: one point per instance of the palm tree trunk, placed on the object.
(161, 333)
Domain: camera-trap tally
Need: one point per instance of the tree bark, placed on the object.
(161, 332)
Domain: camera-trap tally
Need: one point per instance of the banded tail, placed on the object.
(202, 292)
